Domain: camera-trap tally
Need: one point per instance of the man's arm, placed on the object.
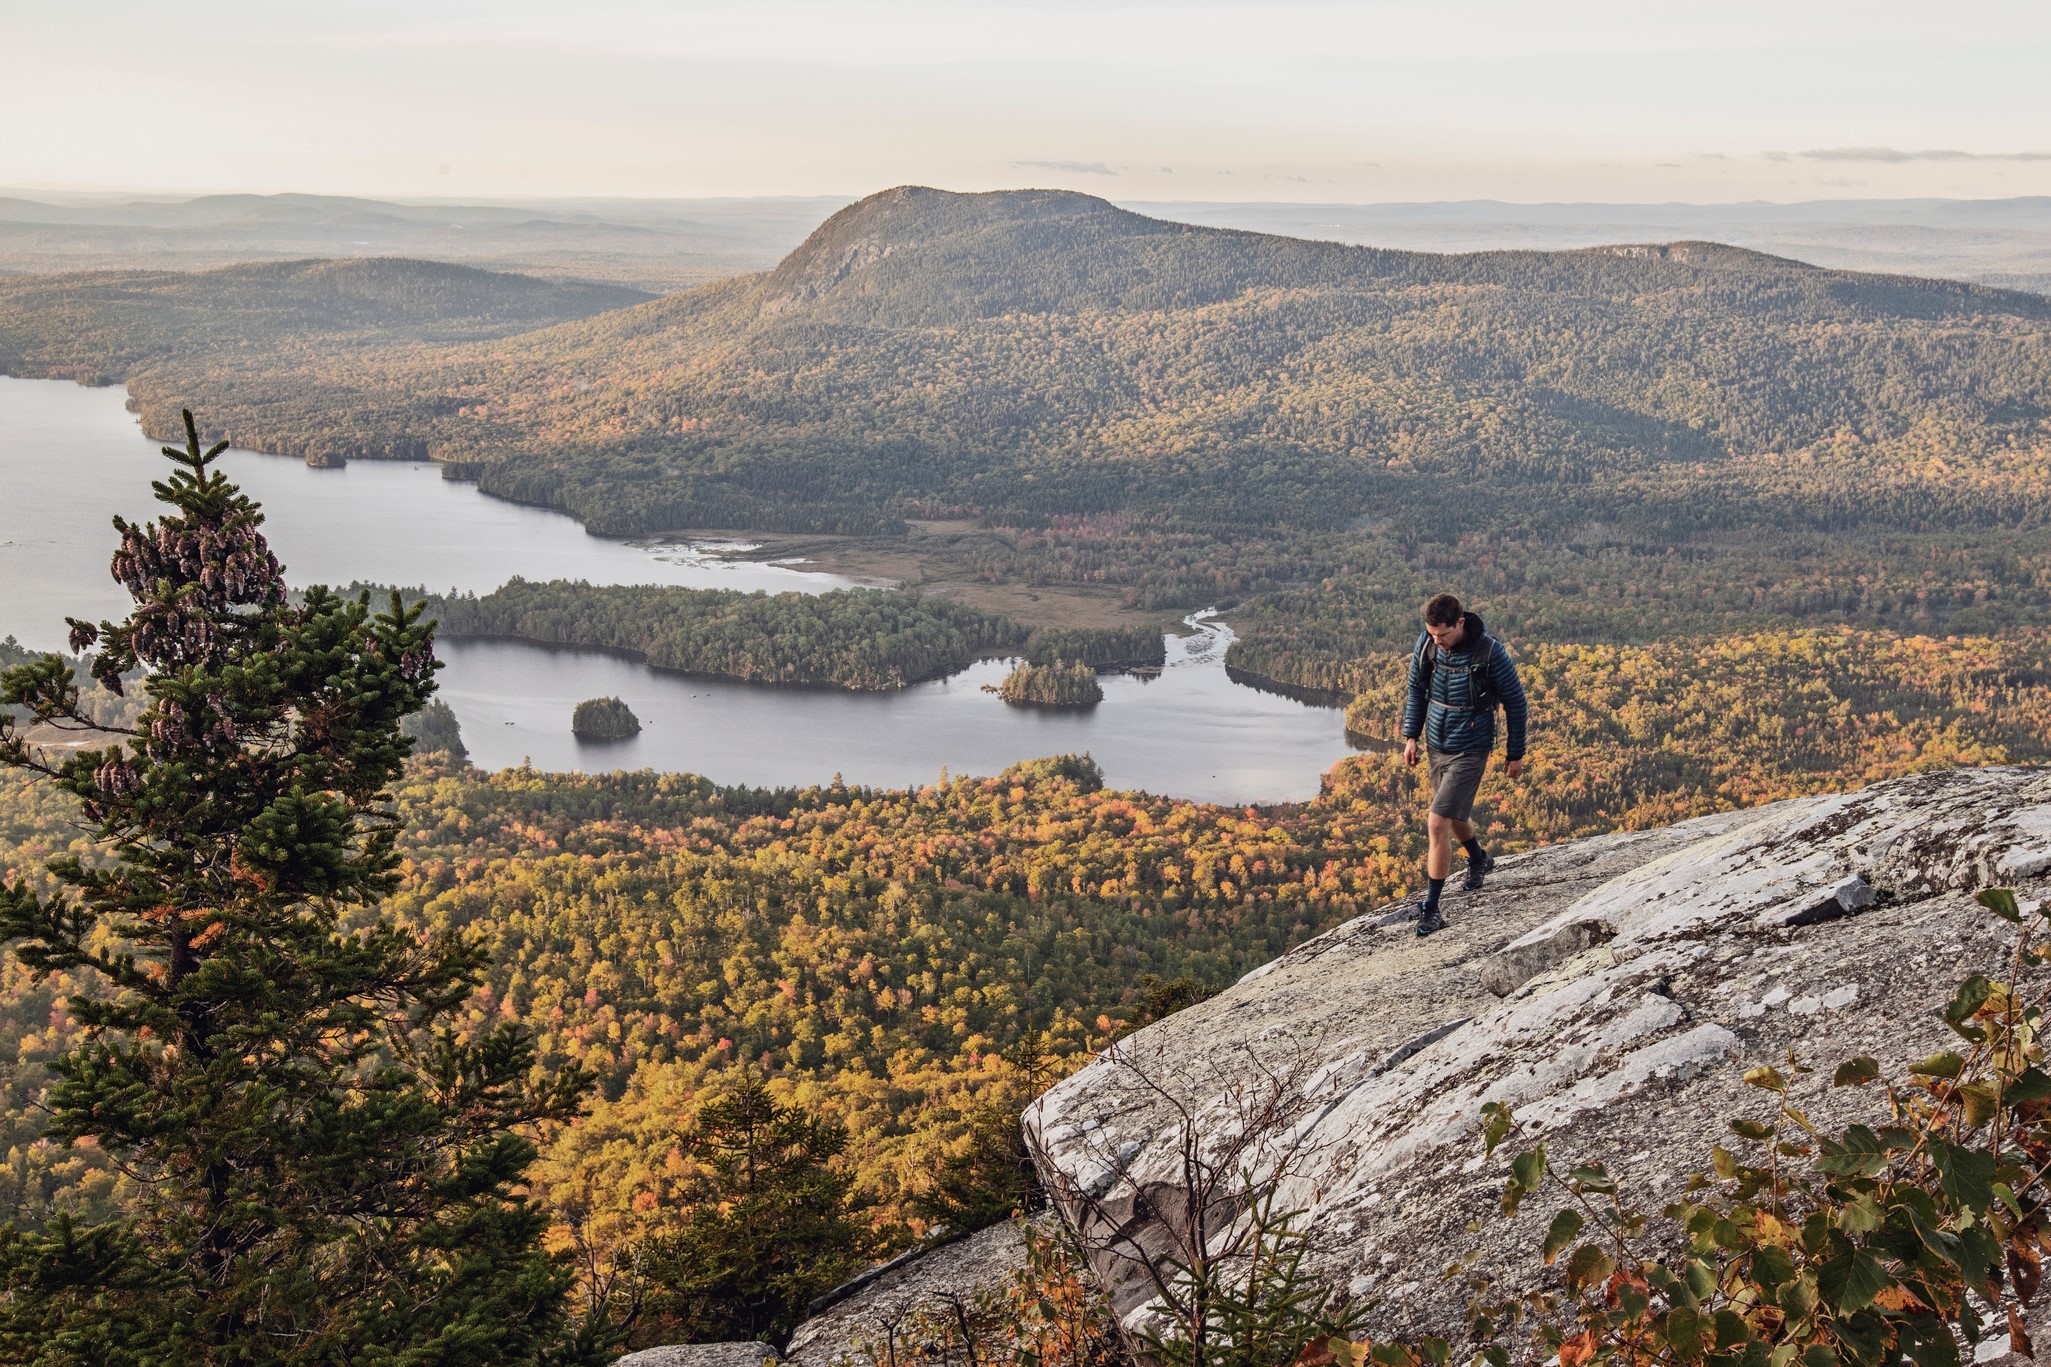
(1414, 703)
(1502, 674)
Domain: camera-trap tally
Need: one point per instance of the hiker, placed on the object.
(1459, 675)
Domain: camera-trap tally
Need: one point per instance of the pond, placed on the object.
(76, 456)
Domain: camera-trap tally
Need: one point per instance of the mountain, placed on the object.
(1039, 355)
(1629, 996)
(1612, 991)
(650, 244)
(106, 326)
(1625, 443)
(1988, 241)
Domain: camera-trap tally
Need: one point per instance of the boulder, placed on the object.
(1612, 990)
(701, 1355)
(886, 1314)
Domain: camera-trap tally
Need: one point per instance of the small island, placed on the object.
(1065, 683)
(604, 719)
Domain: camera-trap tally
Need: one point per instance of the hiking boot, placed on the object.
(1430, 920)
(1477, 872)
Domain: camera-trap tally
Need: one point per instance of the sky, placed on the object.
(1365, 101)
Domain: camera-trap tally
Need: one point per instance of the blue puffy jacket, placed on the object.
(1447, 719)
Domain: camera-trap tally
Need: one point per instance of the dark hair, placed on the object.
(1443, 611)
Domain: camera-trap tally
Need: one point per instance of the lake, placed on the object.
(75, 457)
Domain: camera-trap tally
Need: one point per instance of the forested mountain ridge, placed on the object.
(1615, 444)
(1034, 355)
(104, 326)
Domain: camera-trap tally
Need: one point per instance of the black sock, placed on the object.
(1475, 854)
(1432, 895)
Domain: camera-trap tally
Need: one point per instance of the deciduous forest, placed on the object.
(1752, 529)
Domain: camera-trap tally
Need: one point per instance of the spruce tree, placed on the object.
(773, 1225)
(325, 1170)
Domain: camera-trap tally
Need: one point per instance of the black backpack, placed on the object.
(1483, 697)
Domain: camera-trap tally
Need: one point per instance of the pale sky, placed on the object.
(1359, 101)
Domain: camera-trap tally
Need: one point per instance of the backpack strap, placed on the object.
(1480, 697)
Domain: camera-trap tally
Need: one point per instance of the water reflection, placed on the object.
(75, 457)
(1187, 731)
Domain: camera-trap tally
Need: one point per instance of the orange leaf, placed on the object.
(2018, 1338)
(1578, 1349)
(1897, 1297)
(1316, 1353)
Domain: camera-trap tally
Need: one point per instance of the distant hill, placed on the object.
(107, 326)
(650, 244)
(1039, 355)
(2003, 242)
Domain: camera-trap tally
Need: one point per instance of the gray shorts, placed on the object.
(1454, 780)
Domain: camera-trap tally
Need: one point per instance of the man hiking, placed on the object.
(1459, 675)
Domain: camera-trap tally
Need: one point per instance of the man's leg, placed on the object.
(1478, 862)
(1439, 863)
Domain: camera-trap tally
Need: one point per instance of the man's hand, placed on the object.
(1410, 751)
(1514, 767)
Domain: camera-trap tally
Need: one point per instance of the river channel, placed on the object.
(73, 457)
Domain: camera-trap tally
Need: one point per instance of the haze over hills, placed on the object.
(2005, 242)
(652, 244)
(673, 244)
(103, 326)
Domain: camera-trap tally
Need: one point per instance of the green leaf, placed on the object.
(2032, 1085)
(1855, 1072)
(1701, 1279)
(1965, 1175)
(1767, 1078)
(1862, 1337)
(1592, 1177)
(1851, 1280)
(1687, 1333)
(1982, 1102)
(1527, 1169)
(1940, 1065)
(1750, 1129)
(1496, 1125)
(1798, 1297)
(1565, 1226)
(1972, 994)
(1587, 1265)
(1934, 1349)
(2001, 902)
(1731, 1329)
(1861, 1216)
(1772, 1265)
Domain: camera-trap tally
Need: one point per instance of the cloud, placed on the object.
(1896, 155)
(1074, 168)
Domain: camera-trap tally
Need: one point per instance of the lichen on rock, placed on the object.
(1612, 991)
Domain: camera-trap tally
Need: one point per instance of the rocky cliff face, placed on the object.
(1613, 991)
